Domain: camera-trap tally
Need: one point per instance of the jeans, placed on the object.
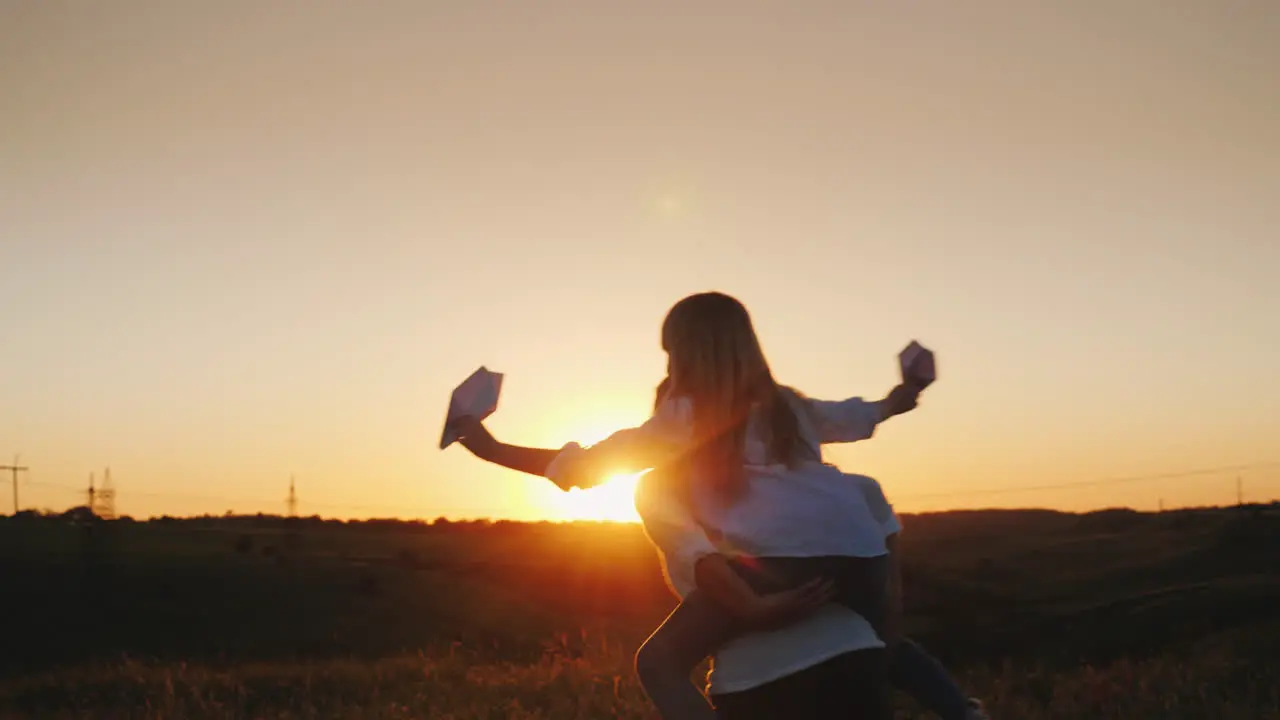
(860, 582)
(698, 626)
(847, 687)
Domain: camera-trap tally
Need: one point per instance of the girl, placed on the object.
(738, 458)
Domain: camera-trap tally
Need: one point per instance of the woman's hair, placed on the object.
(717, 363)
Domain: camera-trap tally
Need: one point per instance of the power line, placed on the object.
(293, 503)
(389, 510)
(56, 486)
(263, 502)
(1103, 481)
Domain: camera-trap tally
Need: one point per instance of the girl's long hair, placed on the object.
(716, 361)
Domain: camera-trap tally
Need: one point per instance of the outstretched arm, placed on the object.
(474, 436)
(902, 398)
(633, 450)
(854, 419)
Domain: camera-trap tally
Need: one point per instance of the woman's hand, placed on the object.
(780, 609)
(474, 436)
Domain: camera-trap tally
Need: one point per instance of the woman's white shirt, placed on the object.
(757, 658)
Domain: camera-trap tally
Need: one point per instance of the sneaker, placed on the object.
(976, 710)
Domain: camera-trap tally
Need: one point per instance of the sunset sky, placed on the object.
(244, 240)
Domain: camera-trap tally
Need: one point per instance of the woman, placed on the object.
(739, 456)
(802, 657)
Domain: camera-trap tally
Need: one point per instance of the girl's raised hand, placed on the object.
(474, 436)
(903, 398)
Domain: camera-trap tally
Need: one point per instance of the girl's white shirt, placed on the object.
(812, 509)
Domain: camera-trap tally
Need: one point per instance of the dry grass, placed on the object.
(1177, 612)
(589, 679)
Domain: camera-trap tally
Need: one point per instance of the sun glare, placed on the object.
(613, 501)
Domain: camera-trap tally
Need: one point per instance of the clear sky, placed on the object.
(244, 240)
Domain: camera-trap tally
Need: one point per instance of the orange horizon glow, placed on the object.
(613, 501)
(222, 272)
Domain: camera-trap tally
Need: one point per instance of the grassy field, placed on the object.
(1045, 615)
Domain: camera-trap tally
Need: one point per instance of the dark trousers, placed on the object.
(853, 686)
(861, 584)
(698, 626)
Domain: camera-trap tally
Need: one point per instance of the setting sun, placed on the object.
(613, 501)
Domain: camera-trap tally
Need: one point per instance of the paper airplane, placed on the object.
(477, 396)
(917, 365)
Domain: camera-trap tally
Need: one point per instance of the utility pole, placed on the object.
(292, 502)
(1239, 491)
(15, 468)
